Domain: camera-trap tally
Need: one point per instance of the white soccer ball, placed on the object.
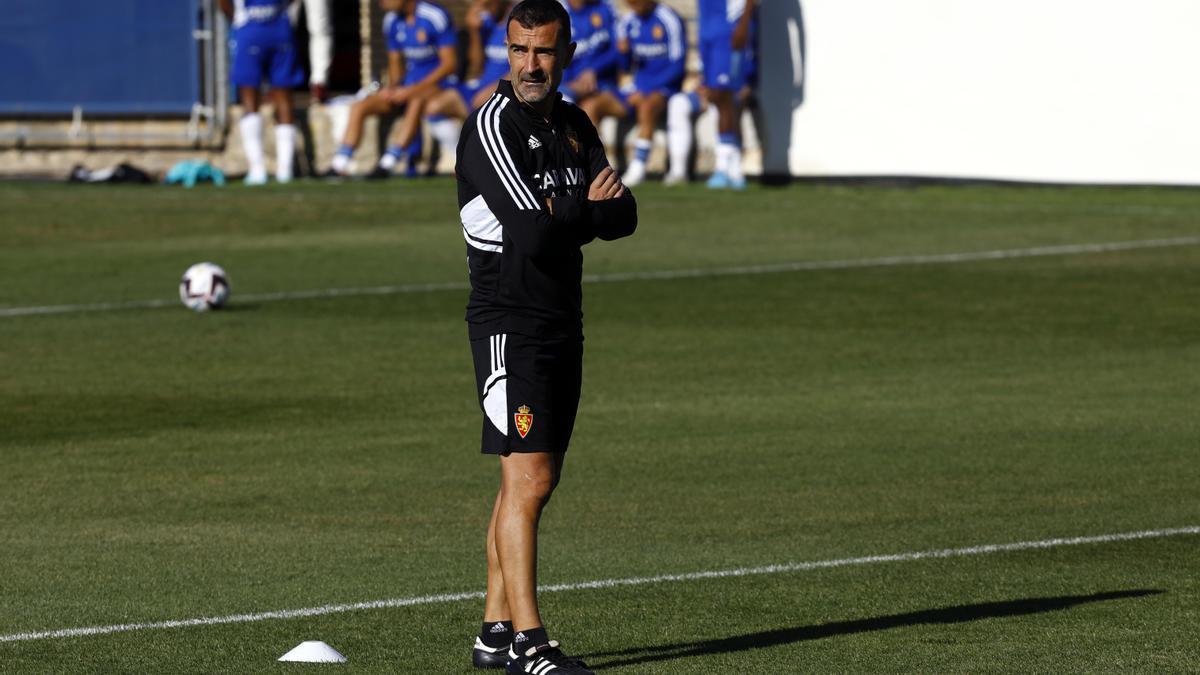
(204, 287)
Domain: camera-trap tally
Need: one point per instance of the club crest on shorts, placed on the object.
(523, 419)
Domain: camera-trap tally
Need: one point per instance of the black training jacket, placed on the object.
(525, 260)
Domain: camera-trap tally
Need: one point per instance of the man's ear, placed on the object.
(570, 55)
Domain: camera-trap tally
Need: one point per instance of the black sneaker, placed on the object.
(379, 173)
(484, 656)
(544, 659)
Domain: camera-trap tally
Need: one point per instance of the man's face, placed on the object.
(391, 5)
(536, 60)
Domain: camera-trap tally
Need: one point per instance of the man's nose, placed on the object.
(530, 64)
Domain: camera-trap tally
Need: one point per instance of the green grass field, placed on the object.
(283, 454)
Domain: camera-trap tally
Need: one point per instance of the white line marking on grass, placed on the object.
(700, 272)
(608, 583)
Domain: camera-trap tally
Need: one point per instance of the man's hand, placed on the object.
(606, 186)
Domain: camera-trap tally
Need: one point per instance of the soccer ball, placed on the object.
(204, 287)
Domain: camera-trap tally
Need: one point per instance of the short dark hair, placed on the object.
(534, 13)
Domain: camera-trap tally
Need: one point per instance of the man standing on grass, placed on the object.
(534, 186)
(262, 47)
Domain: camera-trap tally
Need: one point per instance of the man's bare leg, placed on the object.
(649, 110)
(728, 169)
(400, 139)
(250, 126)
(496, 602)
(601, 105)
(526, 483)
(375, 104)
(285, 134)
(496, 635)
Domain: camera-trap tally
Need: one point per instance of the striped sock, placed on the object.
(390, 158)
(642, 150)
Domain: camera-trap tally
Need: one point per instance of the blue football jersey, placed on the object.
(419, 41)
(657, 47)
(495, 48)
(593, 28)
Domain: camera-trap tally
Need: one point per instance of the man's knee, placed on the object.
(530, 484)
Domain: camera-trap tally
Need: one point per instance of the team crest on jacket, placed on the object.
(523, 419)
(572, 139)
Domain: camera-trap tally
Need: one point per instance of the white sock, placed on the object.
(679, 133)
(733, 169)
(251, 128)
(723, 159)
(285, 151)
(445, 131)
(635, 174)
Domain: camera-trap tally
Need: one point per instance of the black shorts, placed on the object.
(528, 392)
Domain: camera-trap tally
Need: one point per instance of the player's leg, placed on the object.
(251, 129)
(723, 101)
(722, 78)
(445, 112)
(729, 138)
(482, 96)
(649, 111)
(682, 109)
(285, 133)
(247, 76)
(374, 105)
(603, 104)
(527, 480)
(495, 636)
(403, 140)
(448, 102)
(285, 73)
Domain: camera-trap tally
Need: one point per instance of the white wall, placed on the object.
(1044, 90)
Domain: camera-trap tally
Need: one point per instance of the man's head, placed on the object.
(539, 48)
(641, 7)
(402, 6)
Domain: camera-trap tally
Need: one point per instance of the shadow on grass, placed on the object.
(771, 638)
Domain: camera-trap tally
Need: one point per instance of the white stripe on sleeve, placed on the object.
(507, 160)
(484, 123)
(670, 20)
